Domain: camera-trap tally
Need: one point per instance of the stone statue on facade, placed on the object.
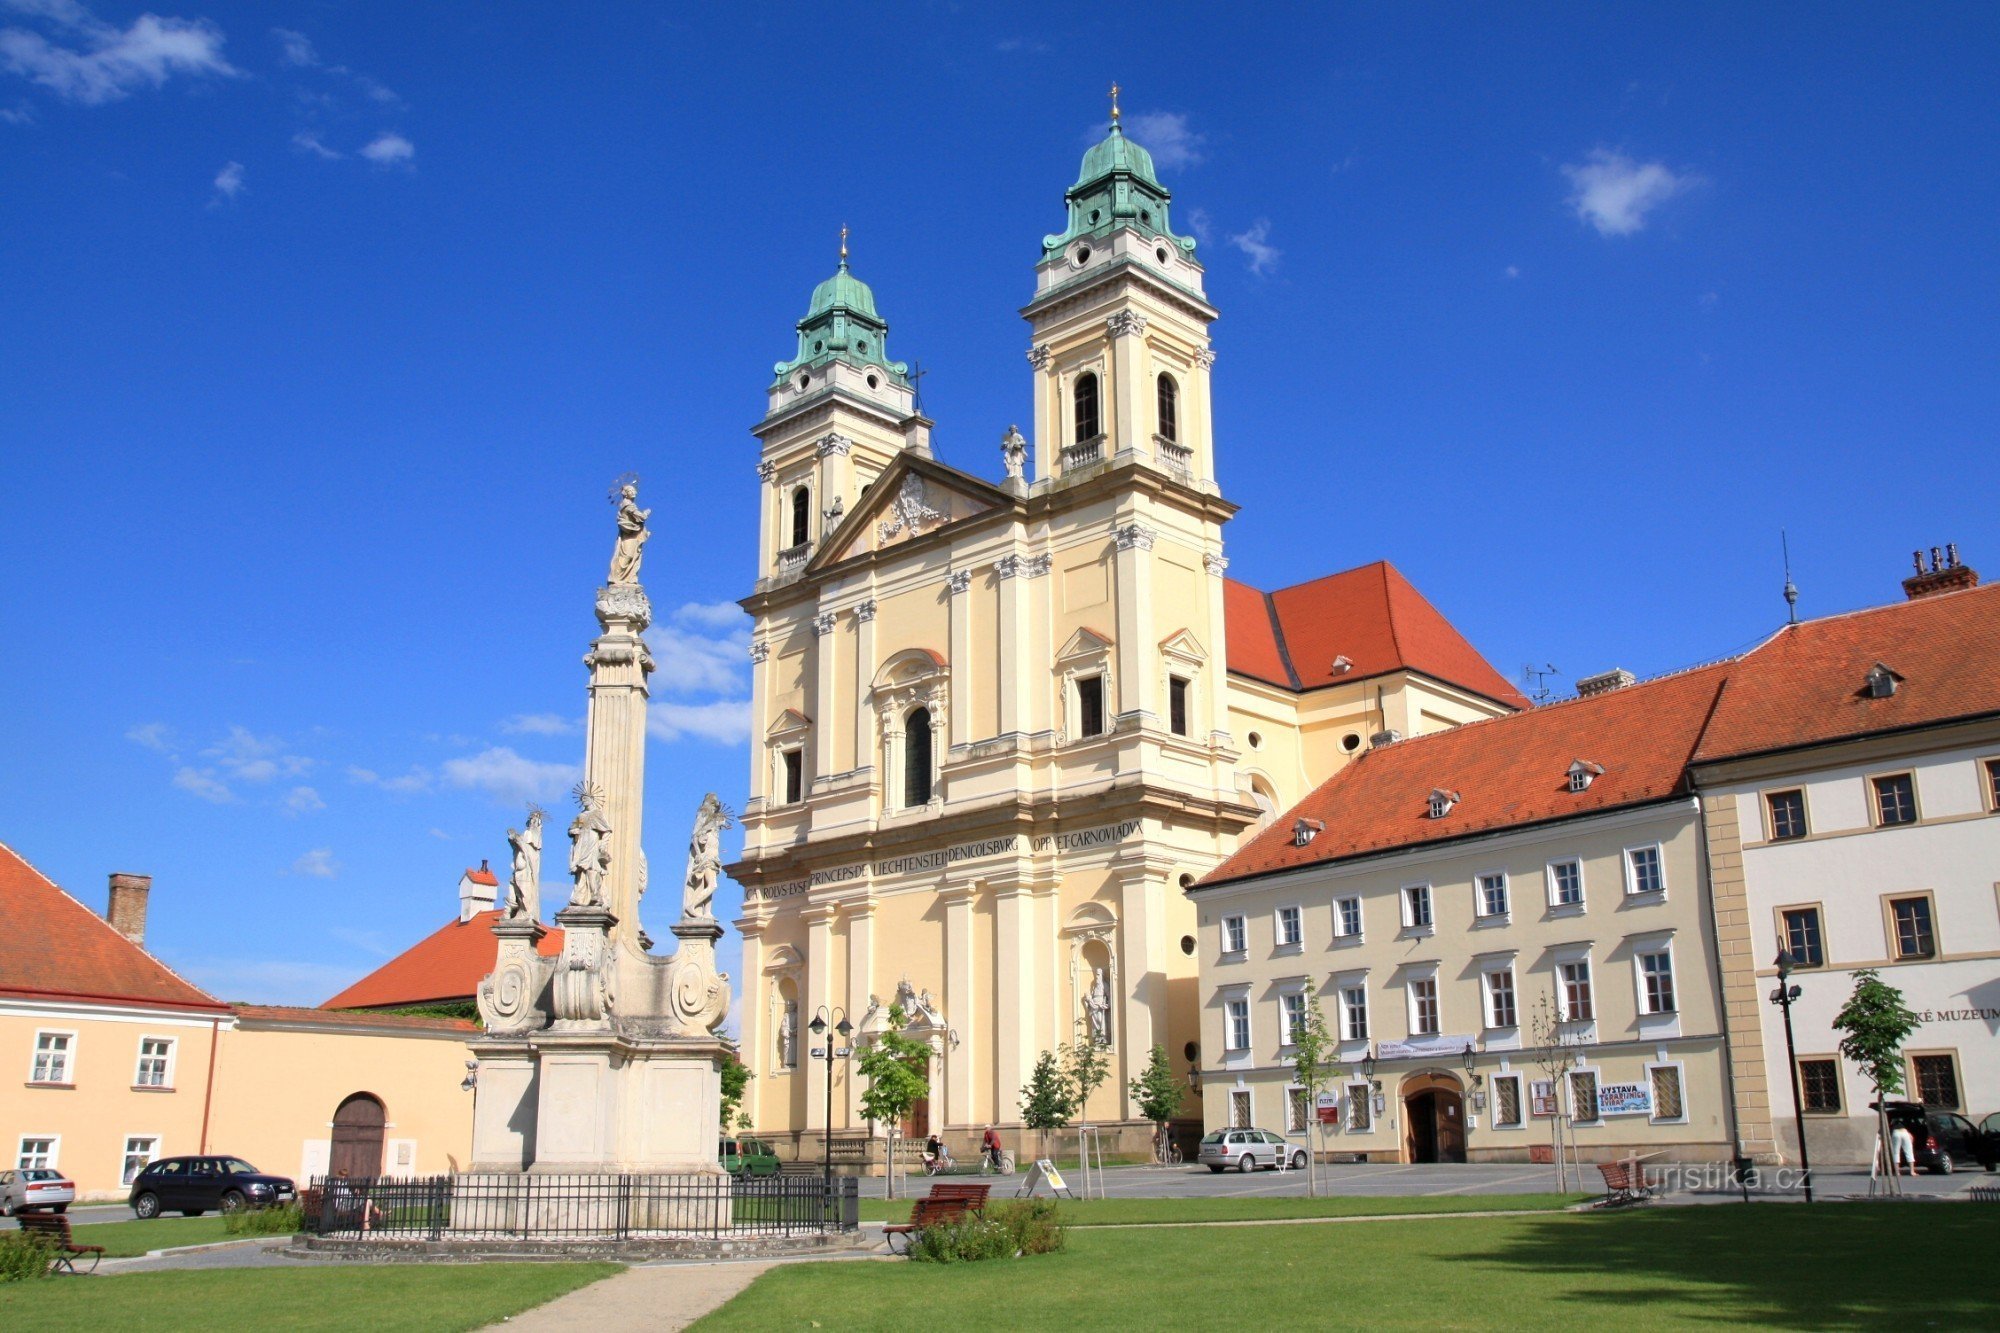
(704, 858)
(524, 890)
(632, 535)
(1097, 1008)
(1014, 453)
(589, 848)
(788, 1036)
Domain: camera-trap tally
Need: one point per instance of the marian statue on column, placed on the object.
(704, 858)
(632, 535)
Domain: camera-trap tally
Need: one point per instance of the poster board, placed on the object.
(1542, 1098)
(1326, 1108)
(1044, 1172)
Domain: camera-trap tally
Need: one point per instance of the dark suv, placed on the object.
(194, 1185)
(1946, 1140)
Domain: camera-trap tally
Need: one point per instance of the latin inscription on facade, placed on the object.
(918, 862)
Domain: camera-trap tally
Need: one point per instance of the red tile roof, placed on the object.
(482, 876)
(53, 947)
(277, 1013)
(1803, 685)
(446, 965)
(1372, 616)
(1507, 771)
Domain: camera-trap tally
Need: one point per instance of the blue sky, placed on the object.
(328, 326)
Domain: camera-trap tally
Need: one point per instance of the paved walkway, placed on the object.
(656, 1298)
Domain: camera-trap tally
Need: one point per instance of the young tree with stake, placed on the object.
(1876, 1024)
(1158, 1095)
(1312, 1069)
(890, 1063)
(1045, 1102)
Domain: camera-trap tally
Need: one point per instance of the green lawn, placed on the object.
(422, 1298)
(1166, 1212)
(1777, 1265)
(122, 1240)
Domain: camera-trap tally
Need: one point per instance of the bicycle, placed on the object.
(1003, 1167)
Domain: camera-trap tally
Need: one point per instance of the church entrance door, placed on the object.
(358, 1127)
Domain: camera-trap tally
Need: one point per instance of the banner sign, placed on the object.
(1420, 1048)
(1624, 1099)
(917, 862)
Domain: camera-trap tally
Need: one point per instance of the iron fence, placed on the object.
(555, 1207)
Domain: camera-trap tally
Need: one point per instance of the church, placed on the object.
(1001, 724)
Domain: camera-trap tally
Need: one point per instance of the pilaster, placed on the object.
(756, 1040)
(1013, 978)
(819, 976)
(965, 674)
(1127, 332)
(860, 914)
(826, 699)
(1134, 565)
(958, 1004)
(1742, 998)
(1142, 994)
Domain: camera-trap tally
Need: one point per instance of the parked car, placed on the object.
(194, 1185)
(1947, 1140)
(1248, 1149)
(748, 1157)
(35, 1189)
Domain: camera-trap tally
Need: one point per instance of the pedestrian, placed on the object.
(1902, 1151)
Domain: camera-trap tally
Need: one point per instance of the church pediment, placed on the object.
(1183, 644)
(1086, 642)
(788, 723)
(912, 499)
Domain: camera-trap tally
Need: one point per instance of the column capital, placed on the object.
(960, 581)
(1135, 535)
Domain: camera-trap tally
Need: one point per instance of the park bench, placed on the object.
(56, 1228)
(948, 1201)
(1624, 1181)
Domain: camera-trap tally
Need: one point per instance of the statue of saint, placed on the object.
(1014, 453)
(589, 851)
(788, 1036)
(704, 858)
(1097, 1007)
(524, 892)
(632, 536)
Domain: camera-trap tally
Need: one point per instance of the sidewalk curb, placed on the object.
(174, 1250)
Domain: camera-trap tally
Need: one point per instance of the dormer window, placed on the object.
(1882, 682)
(1441, 802)
(1342, 664)
(1582, 773)
(1305, 830)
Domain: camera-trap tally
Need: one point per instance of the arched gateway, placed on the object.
(1433, 1118)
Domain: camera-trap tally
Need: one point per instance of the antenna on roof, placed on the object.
(1791, 589)
(917, 373)
(1538, 681)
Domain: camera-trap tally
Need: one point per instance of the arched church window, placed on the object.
(917, 758)
(1170, 409)
(801, 516)
(1085, 396)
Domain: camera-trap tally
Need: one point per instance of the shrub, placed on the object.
(1004, 1231)
(281, 1221)
(1032, 1223)
(25, 1255)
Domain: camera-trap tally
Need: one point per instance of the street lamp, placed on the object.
(1783, 997)
(837, 1017)
(1368, 1065)
(1465, 1058)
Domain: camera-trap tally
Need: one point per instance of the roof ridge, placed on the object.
(120, 935)
(1389, 608)
(1906, 603)
(1278, 638)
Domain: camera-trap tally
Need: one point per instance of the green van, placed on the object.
(747, 1157)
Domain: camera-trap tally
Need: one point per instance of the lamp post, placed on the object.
(1783, 997)
(837, 1019)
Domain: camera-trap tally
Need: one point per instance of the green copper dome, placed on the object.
(1117, 187)
(841, 324)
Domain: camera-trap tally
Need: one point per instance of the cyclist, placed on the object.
(989, 1144)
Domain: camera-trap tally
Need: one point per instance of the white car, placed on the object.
(34, 1189)
(1248, 1149)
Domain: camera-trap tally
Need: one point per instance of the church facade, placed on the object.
(1000, 724)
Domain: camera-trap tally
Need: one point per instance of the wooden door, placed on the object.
(1449, 1110)
(358, 1128)
(1420, 1114)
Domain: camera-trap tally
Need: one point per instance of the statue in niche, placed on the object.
(788, 1036)
(632, 535)
(835, 512)
(589, 849)
(704, 858)
(1097, 1008)
(524, 891)
(1014, 453)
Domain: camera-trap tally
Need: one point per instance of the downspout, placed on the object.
(208, 1093)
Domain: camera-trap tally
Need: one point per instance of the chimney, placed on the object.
(1946, 574)
(478, 890)
(1604, 682)
(126, 910)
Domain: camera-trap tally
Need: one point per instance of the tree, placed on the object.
(890, 1063)
(1045, 1102)
(736, 1078)
(1087, 1066)
(1312, 1067)
(1555, 1055)
(1877, 1023)
(1157, 1092)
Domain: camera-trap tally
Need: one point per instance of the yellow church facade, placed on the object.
(1000, 724)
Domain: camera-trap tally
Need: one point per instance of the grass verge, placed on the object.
(1774, 1265)
(122, 1240)
(390, 1298)
(1168, 1212)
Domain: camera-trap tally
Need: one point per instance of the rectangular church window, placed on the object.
(1090, 706)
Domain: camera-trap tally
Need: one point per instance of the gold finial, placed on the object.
(1114, 104)
(843, 242)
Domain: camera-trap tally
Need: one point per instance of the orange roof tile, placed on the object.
(1372, 616)
(278, 1013)
(482, 876)
(52, 946)
(446, 965)
(1508, 771)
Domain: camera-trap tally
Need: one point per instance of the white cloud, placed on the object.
(376, 91)
(297, 47)
(725, 721)
(418, 779)
(1201, 225)
(1512, 271)
(715, 615)
(17, 115)
(687, 663)
(1256, 243)
(153, 735)
(92, 62)
(317, 863)
(202, 782)
(267, 981)
(389, 149)
(509, 776)
(248, 757)
(228, 182)
(1165, 134)
(303, 801)
(539, 724)
(306, 141)
(1614, 194)
(440, 835)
